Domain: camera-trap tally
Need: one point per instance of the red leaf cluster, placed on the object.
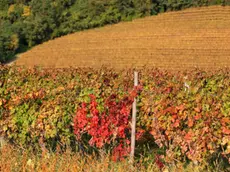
(109, 126)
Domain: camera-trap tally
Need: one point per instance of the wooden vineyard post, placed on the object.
(133, 124)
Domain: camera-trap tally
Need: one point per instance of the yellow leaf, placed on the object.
(228, 149)
(26, 11)
(11, 9)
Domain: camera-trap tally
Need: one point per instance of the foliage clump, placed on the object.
(185, 116)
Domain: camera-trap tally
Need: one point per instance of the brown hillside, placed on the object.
(198, 37)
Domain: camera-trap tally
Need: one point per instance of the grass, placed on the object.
(14, 159)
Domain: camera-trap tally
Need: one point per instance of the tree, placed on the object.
(143, 7)
(9, 42)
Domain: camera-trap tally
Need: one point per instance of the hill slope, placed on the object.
(176, 40)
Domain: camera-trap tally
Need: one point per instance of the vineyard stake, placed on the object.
(133, 125)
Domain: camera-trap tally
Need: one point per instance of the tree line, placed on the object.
(26, 23)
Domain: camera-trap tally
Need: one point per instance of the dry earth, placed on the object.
(196, 37)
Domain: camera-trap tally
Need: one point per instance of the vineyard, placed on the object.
(65, 106)
(196, 37)
(89, 110)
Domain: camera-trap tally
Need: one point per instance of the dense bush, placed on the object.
(37, 104)
(186, 114)
(36, 21)
(107, 123)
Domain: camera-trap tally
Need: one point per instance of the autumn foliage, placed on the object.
(186, 114)
(189, 114)
(110, 126)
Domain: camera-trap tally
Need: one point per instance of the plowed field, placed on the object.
(196, 37)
